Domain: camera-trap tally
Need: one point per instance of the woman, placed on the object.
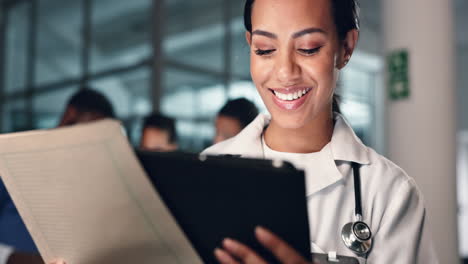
(297, 51)
(298, 48)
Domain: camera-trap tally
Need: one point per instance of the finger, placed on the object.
(58, 261)
(224, 258)
(280, 249)
(242, 252)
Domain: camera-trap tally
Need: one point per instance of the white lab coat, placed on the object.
(392, 204)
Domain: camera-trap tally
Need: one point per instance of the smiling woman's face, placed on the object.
(295, 59)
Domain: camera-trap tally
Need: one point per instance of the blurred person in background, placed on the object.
(159, 133)
(86, 105)
(16, 244)
(233, 117)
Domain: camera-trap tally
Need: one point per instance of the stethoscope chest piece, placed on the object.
(357, 236)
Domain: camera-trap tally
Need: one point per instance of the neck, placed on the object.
(311, 137)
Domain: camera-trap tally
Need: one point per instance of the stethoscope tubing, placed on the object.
(357, 236)
(357, 190)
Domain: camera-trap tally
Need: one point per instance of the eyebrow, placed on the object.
(295, 35)
(265, 34)
(308, 31)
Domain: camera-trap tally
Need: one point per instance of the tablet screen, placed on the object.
(217, 197)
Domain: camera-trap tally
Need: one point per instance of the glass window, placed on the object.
(195, 33)
(356, 103)
(128, 92)
(121, 33)
(16, 47)
(357, 84)
(240, 52)
(191, 95)
(58, 43)
(48, 107)
(360, 116)
(15, 116)
(130, 95)
(358, 89)
(194, 135)
(134, 128)
(247, 90)
(193, 100)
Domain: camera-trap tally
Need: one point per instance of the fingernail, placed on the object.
(58, 261)
(221, 255)
(260, 230)
(229, 243)
(217, 251)
(262, 233)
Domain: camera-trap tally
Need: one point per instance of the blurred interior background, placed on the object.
(182, 57)
(195, 60)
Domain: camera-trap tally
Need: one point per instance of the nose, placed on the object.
(288, 71)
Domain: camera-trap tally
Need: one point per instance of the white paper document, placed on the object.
(85, 198)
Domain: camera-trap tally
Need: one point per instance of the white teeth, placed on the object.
(296, 95)
(291, 96)
(281, 96)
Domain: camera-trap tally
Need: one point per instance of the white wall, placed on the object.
(462, 145)
(462, 84)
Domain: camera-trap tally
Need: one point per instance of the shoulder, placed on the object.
(390, 189)
(247, 143)
(376, 170)
(396, 212)
(382, 170)
(220, 148)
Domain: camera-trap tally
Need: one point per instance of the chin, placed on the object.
(289, 121)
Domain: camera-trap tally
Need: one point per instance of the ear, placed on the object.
(248, 37)
(347, 48)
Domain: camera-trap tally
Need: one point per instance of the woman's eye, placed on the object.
(261, 52)
(309, 51)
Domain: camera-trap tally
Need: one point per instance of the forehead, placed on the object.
(282, 14)
(226, 122)
(155, 132)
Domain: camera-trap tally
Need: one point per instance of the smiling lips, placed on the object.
(291, 98)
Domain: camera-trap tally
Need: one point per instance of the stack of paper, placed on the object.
(85, 198)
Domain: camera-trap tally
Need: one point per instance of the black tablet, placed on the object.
(215, 197)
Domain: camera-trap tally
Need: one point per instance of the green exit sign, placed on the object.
(398, 74)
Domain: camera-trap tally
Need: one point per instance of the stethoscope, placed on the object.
(357, 236)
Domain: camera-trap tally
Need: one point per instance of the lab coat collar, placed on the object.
(248, 143)
(344, 146)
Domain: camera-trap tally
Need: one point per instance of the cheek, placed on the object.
(260, 69)
(322, 71)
